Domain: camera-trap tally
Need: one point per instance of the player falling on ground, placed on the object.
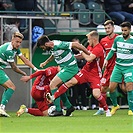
(39, 89)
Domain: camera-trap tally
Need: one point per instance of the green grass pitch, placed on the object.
(80, 122)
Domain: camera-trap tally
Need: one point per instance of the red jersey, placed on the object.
(44, 76)
(96, 65)
(107, 43)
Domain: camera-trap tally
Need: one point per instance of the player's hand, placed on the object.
(105, 64)
(24, 73)
(42, 64)
(25, 78)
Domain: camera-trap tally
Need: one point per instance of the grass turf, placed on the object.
(80, 122)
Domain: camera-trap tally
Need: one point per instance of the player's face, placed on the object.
(125, 32)
(47, 46)
(43, 47)
(109, 29)
(90, 40)
(16, 42)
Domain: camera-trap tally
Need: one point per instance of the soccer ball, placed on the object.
(51, 110)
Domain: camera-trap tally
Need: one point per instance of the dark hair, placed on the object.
(126, 24)
(108, 22)
(42, 40)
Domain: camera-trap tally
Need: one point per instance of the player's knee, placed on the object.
(52, 86)
(13, 87)
(71, 82)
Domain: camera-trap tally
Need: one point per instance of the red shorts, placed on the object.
(106, 77)
(40, 99)
(88, 77)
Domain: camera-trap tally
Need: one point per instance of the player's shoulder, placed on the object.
(98, 48)
(119, 36)
(131, 37)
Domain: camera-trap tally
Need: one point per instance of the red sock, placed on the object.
(103, 103)
(35, 112)
(62, 89)
(105, 97)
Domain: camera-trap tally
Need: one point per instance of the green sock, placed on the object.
(4, 93)
(65, 101)
(113, 98)
(130, 99)
(56, 101)
(6, 96)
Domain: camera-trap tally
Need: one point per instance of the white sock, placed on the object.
(2, 106)
(100, 108)
(26, 110)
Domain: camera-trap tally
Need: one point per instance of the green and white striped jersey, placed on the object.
(7, 54)
(124, 50)
(63, 54)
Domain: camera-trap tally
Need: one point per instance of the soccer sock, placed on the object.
(56, 101)
(105, 97)
(65, 101)
(62, 89)
(35, 112)
(102, 101)
(6, 96)
(130, 99)
(4, 93)
(113, 98)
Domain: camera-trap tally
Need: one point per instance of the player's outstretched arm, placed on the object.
(25, 78)
(16, 69)
(47, 61)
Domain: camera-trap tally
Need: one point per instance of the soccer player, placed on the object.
(62, 53)
(91, 72)
(8, 51)
(123, 69)
(107, 43)
(39, 90)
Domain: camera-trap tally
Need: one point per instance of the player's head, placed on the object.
(43, 42)
(16, 41)
(93, 38)
(126, 29)
(109, 27)
(75, 40)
